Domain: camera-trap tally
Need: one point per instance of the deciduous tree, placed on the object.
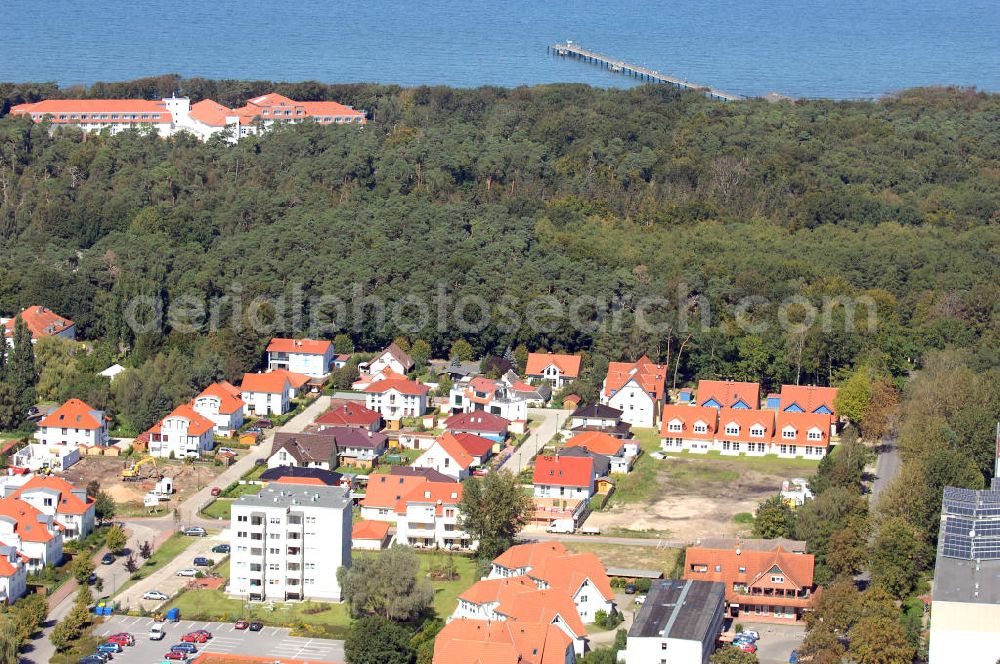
(116, 539)
(376, 640)
(493, 510)
(774, 518)
(388, 585)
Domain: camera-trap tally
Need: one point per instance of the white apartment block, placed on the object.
(305, 356)
(288, 541)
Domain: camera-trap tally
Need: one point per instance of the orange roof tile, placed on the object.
(296, 380)
(401, 385)
(808, 397)
(519, 598)
(27, 525)
(651, 377)
(384, 491)
(74, 414)
(563, 471)
(796, 568)
(477, 421)
(272, 382)
(688, 417)
(211, 112)
(370, 530)
(228, 402)
(520, 556)
(198, 424)
(455, 450)
(330, 108)
(349, 414)
(41, 322)
(801, 424)
(302, 346)
(728, 393)
(569, 365)
(473, 444)
(464, 641)
(745, 420)
(597, 442)
(119, 107)
(436, 493)
(69, 502)
(568, 573)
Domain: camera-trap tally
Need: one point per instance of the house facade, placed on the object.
(481, 424)
(57, 498)
(393, 358)
(556, 369)
(396, 398)
(598, 418)
(688, 428)
(480, 394)
(73, 424)
(265, 394)
(428, 517)
(182, 434)
(13, 575)
(563, 477)
(607, 446)
(638, 389)
(35, 535)
(305, 356)
(221, 403)
(448, 457)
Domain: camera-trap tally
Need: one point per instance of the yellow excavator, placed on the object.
(134, 473)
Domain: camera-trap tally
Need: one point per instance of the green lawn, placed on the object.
(219, 508)
(621, 555)
(173, 547)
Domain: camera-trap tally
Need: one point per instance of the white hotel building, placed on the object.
(288, 541)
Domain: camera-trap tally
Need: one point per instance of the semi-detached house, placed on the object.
(182, 434)
(53, 496)
(638, 389)
(728, 394)
(36, 535)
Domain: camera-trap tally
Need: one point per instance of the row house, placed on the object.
(305, 356)
(549, 565)
(221, 403)
(728, 394)
(184, 433)
(72, 510)
(638, 389)
(556, 369)
(763, 581)
(481, 394)
(562, 476)
(506, 642)
(74, 424)
(518, 599)
(734, 431)
(808, 399)
(41, 322)
(37, 536)
(396, 398)
(485, 425)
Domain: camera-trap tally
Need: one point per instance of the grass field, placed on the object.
(621, 555)
(173, 547)
(219, 508)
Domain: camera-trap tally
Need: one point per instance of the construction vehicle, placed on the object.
(134, 473)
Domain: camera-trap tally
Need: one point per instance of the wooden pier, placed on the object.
(571, 50)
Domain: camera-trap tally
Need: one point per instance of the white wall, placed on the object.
(649, 650)
(964, 632)
(638, 408)
(265, 403)
(550, 491)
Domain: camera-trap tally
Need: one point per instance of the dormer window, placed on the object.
(815, 435)
(732, 429)
(674, 427)
(788, 433)
(757, 431)
(700, 427)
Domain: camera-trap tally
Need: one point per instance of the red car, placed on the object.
(174, 654)
(747, 647)
(194, 637)
(121, 639)
(207, 634)
(241, 624)
(216, 491)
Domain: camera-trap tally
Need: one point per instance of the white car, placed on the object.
(188, 571)
(227, 450)
(155, 594)
(640, 599)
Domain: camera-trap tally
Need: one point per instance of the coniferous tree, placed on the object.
(20, 372)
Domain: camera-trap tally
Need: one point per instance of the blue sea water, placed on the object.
(808, 48)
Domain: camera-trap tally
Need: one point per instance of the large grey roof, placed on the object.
(679, 609)
(958, 580)
(280, 494)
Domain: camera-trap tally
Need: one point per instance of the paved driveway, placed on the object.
(776, 641)
(271, 641)
(551, 420)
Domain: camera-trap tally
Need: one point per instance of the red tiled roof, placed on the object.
(569, 365)
(198, 424)
(728, 392)
(688, 417)
(520, 599)
(228, 401)
(464, 641)
(401, 385)
(211, 112)
(808, 397)
(426, 491)
(349, 414)
(385, 491)
(272, 382)
(563, 471)
(120, 107)
(74, 414)
(370, 530)
(597, 442)
(455, 450)
(802, 424)
(69, 503)
(745, 420)
(796, 568)
(302, 346)
(473, 444)
(41, 322)
(527, 555)
(27, 525)
(651, 377)
(568, 573)
(477, 421)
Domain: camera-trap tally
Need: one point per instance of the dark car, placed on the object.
(91, 659)
(256, 626)
(202, 561)
(265, 424)
(629, 588)
(108, 559)
(220, 548)
(184, 647)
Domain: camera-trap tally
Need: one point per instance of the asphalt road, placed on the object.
(271, 641)
(886, 468)
(551, 420)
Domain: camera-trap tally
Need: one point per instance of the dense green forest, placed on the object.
(510, 195)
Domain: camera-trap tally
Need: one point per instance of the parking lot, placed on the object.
(776, 641)
(226, 639)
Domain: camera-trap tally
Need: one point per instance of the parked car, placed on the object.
(91, 659)
(202, 633)
(629, 588)
(794, 657)
(227, 450)
(176, 655)
(215, 491)
(256, 626)
(220, 548)
(156, 633)
(108, 559)
(155, 594)
(110, 646)
(256, 430)
(640, 599)
(265, 424)
(194, 637)
(753, 635)
(194, 531)
(92, 579)
(188, 571)
(658, 455)
(202, 561)
(747, 646)
(184, 646)
(103, 656)
(241, 624)
(123, 636)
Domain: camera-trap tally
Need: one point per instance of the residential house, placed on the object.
(305, 356)
(303, 475)
(679, 622)
(599, 417)
(427, 517)
(383, 494)
(556, 369)
(184, 433)
(536, 395)
(41, 322)
(13, 575)
(221, 403)
(393, 358)
(596, 442)
(287, 541)
(456, 369)
(360, 448)
(638, 389)
(763, 582)
(73, 424)
(478, 447)
(518, 599)
(480, 394)
(728, 394)
(350, 414)
(688, 428)
(36, 535)
(464, 641)
(481, 424)
(53, 496)
(447, 456)
(266, 394)
(602, 463)
(370, 535)
(396, 398)
(802, 434)
(581, 576)
(563, 476)
(341, 360)
(305, 450)
(742, 431)
(426, 473)
(808, 399)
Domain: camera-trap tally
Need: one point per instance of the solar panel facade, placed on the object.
(970, 524)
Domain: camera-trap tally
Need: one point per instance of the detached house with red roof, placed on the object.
(182, 434)
(394, 358)
(395, 398)
(557, 369)
(764, 581)
(221, 403)
(271, 393)
(36, 535)
(41, 322)
(13, 575)
(605, 445)
(466, 641)
(448, 456)
(55, 497)
(74, 423)
(638, 389)
(561, 476)
(480, 394)
(350, 414)
(728, 394)
(485, 425)
(305, 356)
